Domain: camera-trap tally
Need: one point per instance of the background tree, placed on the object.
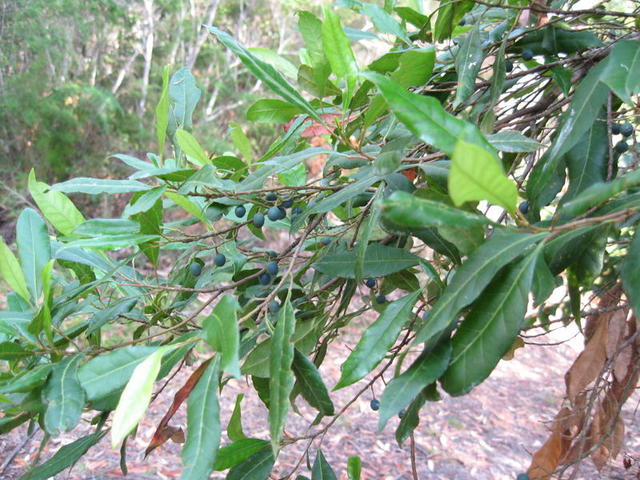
(484, 162)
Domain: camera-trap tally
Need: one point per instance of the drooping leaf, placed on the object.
(234, 428)
(203, 425)
(411, 418)
(489, 330)
(63, 396)
(238, 451)
(337, 49)
(472, 277)
(476, 175)
(11, 271)
(281, 381)
(34, 249)
(55, 206)
(221, 333)
(256, 467)
(321, 468)
(376, 340)
(425, 370)
(468, 62)
(311, 385)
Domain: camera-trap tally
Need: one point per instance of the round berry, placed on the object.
(508, 65)
(381, 299)
(240, 211)
(272, 268)
(402, 413)
(626, 130)
(522, 476)
(524, 207)
(325, 241)
(275, 213)
(462, 22)
(271, 197)
(370, 282)
(274, 306)
(258, 220)
(264, 278)
(195, 268)
(295, 211)
(288, 203)
(272, 254)
(374, 404)
(220, 259)
(621, 146)
(527, 54)
(615, 129)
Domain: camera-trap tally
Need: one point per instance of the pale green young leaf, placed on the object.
(190, 147)
(272, 110)
(55, 206)
(95, 186)
(162, 112)
(11, 271)
(337, 49)
(187, 205)
(241, 142)
(34, 249)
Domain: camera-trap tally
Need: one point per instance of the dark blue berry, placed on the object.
(258, 220)
(240, 211)
(195, 268)
(508, 65)
(272, 268)
(288, 203)
(381, 299)
(295, 211)
(626, 130)
(272, 254)
(275, 213)
(374, 404)
(524, 207)
(271, 197)
(264, 278)
(615, 129)
(274, 306)
(621, 146)
(462, 22)
(325, 241)
(522, 476)
(220, 259)
(402, 413)
(527, 54)
(370, 282)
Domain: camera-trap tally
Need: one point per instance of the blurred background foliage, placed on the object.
(79, 80)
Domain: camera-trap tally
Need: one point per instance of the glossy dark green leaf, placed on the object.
(338, 198)
(34, 249)
(238, 451)
(28, 380)
(256, 467)
(63, 396)
(411, 418)
(221, 333)
(630, 273)
(468, 61)
(489, 330)
(563, 249)
(271, 110)
(354, 467)
(411, 211)
(321, 468)
(63, 458)
(234, 428)
(513, 141)
(425, 370)
(449, 15)
(379, 260)
(13, 351)
(96, 186)
(376, 340)
(281, 381)
(110, 313)
(203, 425)
(151, 226)
(622, 73)
(265, 72)
(543, 282)
(367, 229)
(311, 385)
(473, 276)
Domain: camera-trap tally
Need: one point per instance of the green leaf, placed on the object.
(108, 373)
(184, 95)
(513, 141)
(110, 242)
(311, 385)
(203, 425)
(162, 111)
(337, 49)
(472, 277)
(281, 381)
(63, 396)
(34, 249)
(622, 72)
(410, 211)
(265, 72)
(321, 468)
(11, 271)
(55, 206)
(354, 467)
(385, 23)
(191, 147)
(271, 110)
(27, 380)
(96, 186)
(63, 458)
(449, 15)
(13, 351)
(476, 175)
(234, 428)
(489, 330)
(411, 417)
(294, 177)
(241, 142)
(238, 451)
(187, 205)
(426, 119)
(106, 226)
(256, 467)
(379, 260)
(468, 62)
(630, 273)
(144, 201)
(112, 312)
(370, 225)
(376, 340)
(221, 333)
(135, 397)
(425, 370)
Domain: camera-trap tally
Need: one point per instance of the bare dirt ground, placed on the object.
(486, 435)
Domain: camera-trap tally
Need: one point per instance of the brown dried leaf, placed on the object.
(589, 363)
(547, 458)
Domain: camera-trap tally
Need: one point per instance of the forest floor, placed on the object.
(489, 434)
